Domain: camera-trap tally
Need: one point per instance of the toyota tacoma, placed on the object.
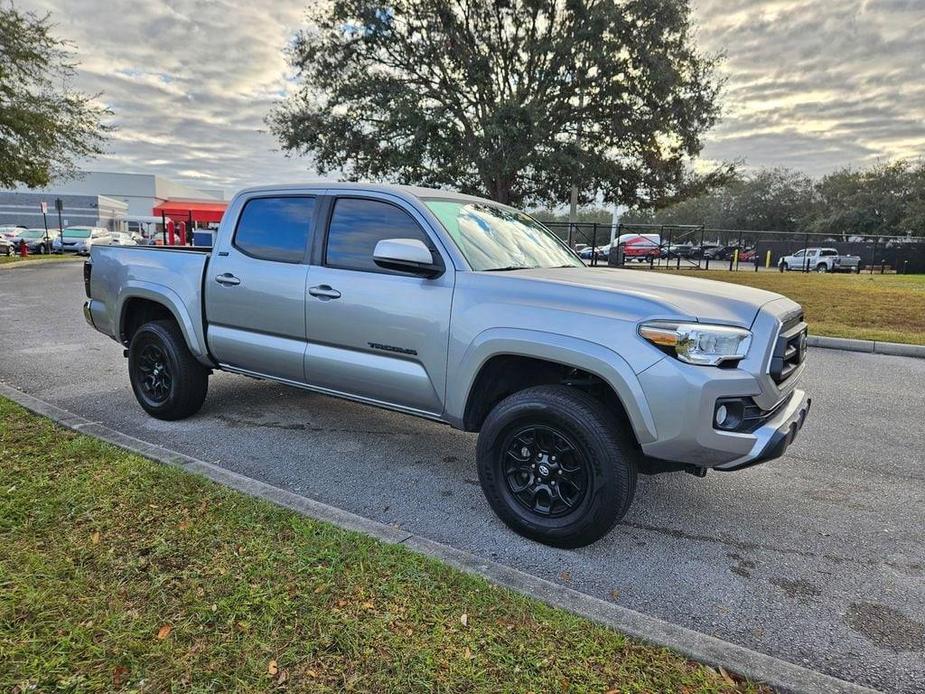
(471, 313)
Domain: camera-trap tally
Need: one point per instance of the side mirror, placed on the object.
(407, 255)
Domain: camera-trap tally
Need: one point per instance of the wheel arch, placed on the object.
(140, 302)
(502, 361)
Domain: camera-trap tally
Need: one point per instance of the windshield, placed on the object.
(77, 233)
(33, 234)
(495, 238)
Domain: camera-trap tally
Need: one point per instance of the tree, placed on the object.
(513, 99)
(45, 126)
(768, 200)
(879, 200)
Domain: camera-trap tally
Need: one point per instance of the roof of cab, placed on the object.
(406, 191)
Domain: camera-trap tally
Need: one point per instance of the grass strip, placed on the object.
(888, 308)
(119, 574)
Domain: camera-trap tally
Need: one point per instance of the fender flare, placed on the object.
(570, 351)
(169, 299)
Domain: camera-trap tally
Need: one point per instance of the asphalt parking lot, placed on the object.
(817, 558)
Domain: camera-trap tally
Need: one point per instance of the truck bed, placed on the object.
(172, 275)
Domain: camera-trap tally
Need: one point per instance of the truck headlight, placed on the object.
(696, 343)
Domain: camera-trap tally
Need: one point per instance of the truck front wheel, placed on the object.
(167, 380)
(556, 466)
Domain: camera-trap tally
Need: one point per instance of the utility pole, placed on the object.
(573, 198)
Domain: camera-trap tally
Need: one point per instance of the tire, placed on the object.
(784, 267)
(167, 380)
(822, 267)
(559, 429)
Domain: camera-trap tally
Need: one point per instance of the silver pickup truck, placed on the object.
(470, 313)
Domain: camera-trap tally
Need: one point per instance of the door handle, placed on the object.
(324, 291)
(227, 279)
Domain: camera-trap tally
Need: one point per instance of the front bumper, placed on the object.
(775, 436)
(682, 400)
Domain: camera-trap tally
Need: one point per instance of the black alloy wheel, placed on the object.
(156, 380)
(545, 471)
(168, 382)
(557, 465)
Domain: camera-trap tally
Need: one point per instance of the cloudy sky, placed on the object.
(812, 84)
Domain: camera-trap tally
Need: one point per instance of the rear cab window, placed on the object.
(275, 228)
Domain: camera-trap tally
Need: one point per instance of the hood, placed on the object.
(663, 293)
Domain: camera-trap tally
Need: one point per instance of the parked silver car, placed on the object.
(80, 240)
(471, 313)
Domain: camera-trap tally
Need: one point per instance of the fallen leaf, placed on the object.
(311, 673)
(272, 668)
(464, 619)
(615, 594)
(566, 576)
(283, 676)
(118, 675)
(95, 537)
(214, 607)
(468, 654)
(164, 632)
(320, 589)
(200, 591)
(368, 605)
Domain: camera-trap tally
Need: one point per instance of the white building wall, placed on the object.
(141, 192)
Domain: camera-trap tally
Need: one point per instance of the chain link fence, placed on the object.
(681, 247)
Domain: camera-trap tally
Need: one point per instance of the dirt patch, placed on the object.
(886, 626)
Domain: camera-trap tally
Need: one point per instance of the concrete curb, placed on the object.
(779, 674)
(897, 349)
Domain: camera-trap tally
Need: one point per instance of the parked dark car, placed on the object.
(677, 250)
(36, 240)
(701, 250)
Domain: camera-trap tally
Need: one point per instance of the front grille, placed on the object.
(790, 350)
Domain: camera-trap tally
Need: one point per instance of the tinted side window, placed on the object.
(275, 228)
(358, 225)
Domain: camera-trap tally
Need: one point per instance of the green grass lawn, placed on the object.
(119, 574)
(868, 307)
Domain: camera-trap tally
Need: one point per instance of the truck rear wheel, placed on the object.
(822, 267)
(167, 380)
(555, 466)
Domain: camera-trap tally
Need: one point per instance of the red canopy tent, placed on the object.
(188, 209)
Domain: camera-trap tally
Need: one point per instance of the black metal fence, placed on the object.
(698, 247)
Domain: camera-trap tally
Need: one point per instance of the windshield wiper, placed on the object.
(512, 267)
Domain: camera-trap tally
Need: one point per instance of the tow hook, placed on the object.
(695, 470)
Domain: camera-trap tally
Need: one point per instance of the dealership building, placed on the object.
(107, 199)
(24, 208)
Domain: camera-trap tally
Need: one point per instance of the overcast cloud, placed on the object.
(812, 85)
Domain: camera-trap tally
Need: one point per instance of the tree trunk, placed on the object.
(501, 189)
